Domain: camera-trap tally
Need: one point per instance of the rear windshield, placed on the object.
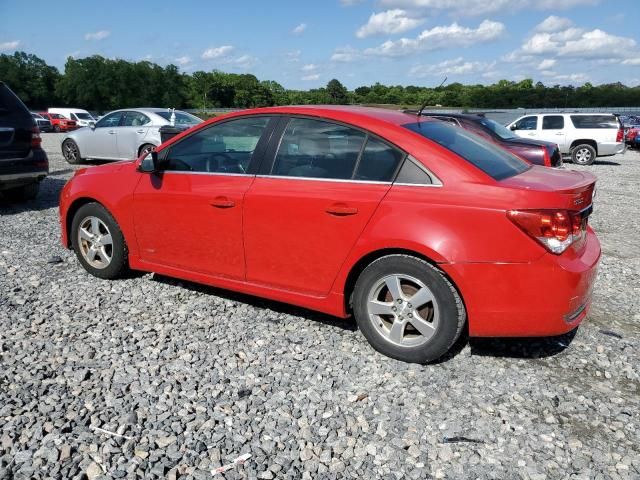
(594, 121)
(182, 118)
(492, 160)
(11, 107)
(500, 130)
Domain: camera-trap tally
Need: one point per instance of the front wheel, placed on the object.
(98, 242)
(71, 152)
(407, 309)
(583, 154)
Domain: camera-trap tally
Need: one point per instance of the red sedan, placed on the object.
(413, 226)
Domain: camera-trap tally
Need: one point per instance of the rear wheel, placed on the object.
(145, 149)
(407, 309)
(26, 192)
(583, 154)
(98, 242)
(71, 152)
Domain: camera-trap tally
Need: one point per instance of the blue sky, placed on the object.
(305, 43)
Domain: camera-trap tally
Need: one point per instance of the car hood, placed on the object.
(529, 142)
(106, 168)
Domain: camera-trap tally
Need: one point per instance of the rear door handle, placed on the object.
(112, 132)
(222, 202)
(341, 210)
(140, 131)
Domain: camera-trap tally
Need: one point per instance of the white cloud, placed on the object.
(293, 56)
(12, 45)
(217, 52)
(440, 37)
(299, 29)
(99, 35)
(346, 54)
(313, 76)
(547, 63)
(243, 61)
(631, 61)
(456, 66)
(184, 60)
(554, 24)
(483, 7)
(350, 3)
(309, 68)
(388, 22)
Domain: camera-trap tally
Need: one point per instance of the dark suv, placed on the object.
(533, 151)
(23, 163)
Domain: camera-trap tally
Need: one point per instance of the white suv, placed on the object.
(584, 136)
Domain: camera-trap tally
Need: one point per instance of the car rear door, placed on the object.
(553, 130)
(102, 141)
(134, 128)
(319, 186)
(190, 215)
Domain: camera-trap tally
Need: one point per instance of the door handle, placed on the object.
(140, 131)
(112, 132)
(559, 133)
(222, 202)
(341, 210)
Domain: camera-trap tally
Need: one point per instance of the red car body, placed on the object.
(272, 237)
(59, 123)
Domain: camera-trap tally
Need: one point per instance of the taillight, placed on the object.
(36, 139)
(547, 158)
(620, 135)
(556, 230)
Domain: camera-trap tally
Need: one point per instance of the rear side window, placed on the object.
(527, 123)
(135, 119)
(553, 122)
(491, 159)
(317, 149)
(594, 121)
(379, 161)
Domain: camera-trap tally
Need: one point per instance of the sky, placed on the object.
(303, 44)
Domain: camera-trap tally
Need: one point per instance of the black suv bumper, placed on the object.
(24, 171)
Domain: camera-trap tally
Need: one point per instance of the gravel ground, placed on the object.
(192, 377)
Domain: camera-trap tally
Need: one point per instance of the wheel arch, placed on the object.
(144, 144)
(71, 212)
(585, 141)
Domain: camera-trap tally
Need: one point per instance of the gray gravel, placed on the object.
(195, 377)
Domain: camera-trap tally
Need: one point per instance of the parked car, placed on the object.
(58, 122)
(122, 134)
(413, 226)
(534, 151)
(584, 136)
(78, 115)
(42, 123)
(632, 137)
(23, 162)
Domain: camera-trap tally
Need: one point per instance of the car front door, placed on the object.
(101, 141)
(553, 130)
(131, 134)
(526, 127)
(304, 213)
(190, 214)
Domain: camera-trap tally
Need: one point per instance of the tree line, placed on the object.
(102, 84)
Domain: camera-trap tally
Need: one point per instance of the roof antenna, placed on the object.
(424, 105)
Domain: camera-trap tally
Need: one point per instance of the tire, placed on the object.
(146, 148)
(583, 154)
(110, 260)
(71, 152)
(26, 192)
(56, 128)
(395, 326)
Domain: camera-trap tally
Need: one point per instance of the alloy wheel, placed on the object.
(95, 242)
(583, 155)
(70, 151)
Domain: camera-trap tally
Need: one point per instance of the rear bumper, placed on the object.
(549, 296)
(606, 149)
(23, 171)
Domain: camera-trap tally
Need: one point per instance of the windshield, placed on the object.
(500, 130)
(37, 117)
(491, 159)
(84, 116)
(182, 118)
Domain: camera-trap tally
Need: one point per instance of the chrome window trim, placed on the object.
(189, 172)
(338, 180)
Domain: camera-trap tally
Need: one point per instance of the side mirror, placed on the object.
(513, 127)
(149, 163)
(92, 126)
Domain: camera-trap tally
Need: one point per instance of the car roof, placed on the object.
(470, 116)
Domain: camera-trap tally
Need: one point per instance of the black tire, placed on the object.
(26, 192)
(452, 314)
(119, 264)
(583, 154)
(71, 152)
(147, 146)
(56, 128)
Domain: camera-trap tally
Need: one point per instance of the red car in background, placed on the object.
(412, 225)
(60, 123)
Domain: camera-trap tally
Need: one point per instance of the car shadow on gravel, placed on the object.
(525, 347)
(48, 197)
(347, 324)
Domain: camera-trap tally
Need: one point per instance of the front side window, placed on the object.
(491, 159)
(378, 162)
(527, 123)
(221, 148)
(135, 119)
(553, 122)
(594, 121)
(110, 121)
(318, 149)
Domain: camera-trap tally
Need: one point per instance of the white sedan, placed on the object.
(122, 134)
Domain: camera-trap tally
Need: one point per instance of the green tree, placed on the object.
(30, 78)
(337, 92)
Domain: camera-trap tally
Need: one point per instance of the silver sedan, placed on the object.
(122, 134)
